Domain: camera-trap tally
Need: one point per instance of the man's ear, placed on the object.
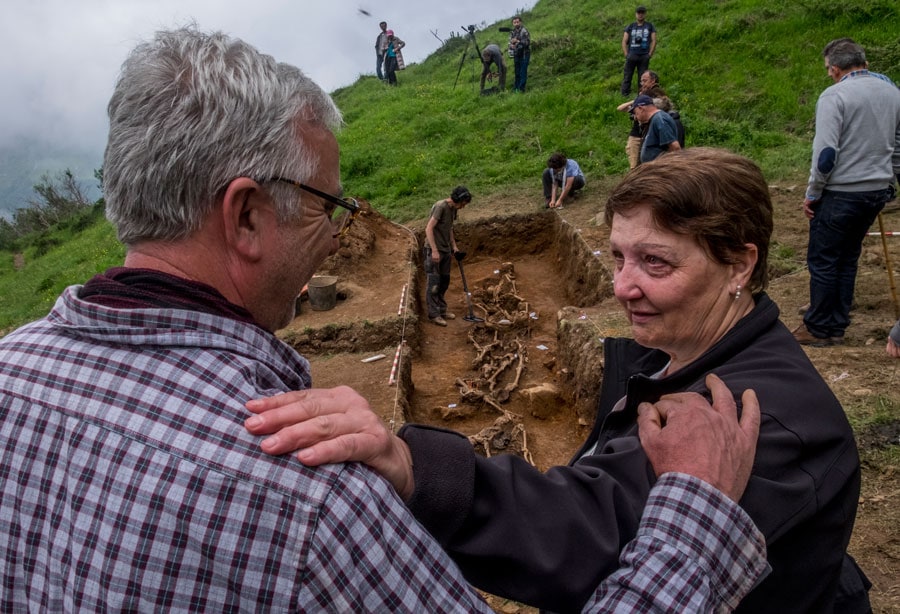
(246, 211)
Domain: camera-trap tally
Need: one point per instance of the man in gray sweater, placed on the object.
(856, 156)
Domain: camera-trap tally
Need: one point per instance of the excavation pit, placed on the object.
(524, 381)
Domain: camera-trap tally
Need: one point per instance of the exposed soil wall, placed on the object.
(585, 278)
(576, 272)
(580, 350)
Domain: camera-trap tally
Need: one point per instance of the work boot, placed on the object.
(449, 316)
(804, 337)
(439, 321)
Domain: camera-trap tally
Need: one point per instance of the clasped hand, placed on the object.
(682, 432)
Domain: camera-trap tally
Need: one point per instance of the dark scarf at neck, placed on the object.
(128, 288)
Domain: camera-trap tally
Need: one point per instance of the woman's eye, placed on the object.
(656, 263)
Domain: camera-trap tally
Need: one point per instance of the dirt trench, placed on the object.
(523, 381)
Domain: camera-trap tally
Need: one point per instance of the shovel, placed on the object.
(469, 317)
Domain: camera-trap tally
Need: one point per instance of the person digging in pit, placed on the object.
(439, 250)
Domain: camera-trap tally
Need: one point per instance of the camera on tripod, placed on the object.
(470, 39)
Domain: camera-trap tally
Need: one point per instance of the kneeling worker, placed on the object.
(562, 173)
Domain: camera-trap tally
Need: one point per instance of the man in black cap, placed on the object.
(638, 45)
(662, 132)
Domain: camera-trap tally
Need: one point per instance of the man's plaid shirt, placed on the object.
(128, 482)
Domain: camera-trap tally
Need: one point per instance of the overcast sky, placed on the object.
(59, 58)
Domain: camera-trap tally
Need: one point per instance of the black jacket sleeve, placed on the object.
(546, 539)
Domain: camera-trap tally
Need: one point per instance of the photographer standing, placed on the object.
(381, 44)
(520, 51)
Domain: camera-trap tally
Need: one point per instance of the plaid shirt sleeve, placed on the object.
(370, 555)
(695, 551)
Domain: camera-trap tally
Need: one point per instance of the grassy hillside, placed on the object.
(745, 75)
(70, 254)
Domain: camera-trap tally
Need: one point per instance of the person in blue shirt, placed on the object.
(393, 59)
(561, 178)
(662, 132)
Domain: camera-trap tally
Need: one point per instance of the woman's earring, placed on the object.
(737, 293)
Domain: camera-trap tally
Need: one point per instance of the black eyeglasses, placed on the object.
(342, 217)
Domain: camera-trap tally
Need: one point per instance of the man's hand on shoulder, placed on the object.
(684, 433)
(331, 425)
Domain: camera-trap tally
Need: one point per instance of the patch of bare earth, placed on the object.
(525, 380)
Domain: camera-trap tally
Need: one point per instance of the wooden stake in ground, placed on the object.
(890, 269)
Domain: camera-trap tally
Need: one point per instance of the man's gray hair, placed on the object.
(663, 103)
(844, 53)
(192, 111)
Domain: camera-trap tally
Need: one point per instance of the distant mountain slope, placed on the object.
(24, 161)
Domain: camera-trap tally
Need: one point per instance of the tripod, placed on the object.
(471, 37)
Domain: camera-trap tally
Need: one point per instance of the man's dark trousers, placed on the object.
(437, 280)
(639, 61)
(836, 233)
(520, 65)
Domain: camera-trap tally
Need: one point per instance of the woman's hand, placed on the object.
(684, 433)
(331, 425)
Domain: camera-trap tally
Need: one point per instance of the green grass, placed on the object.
(873, 411)
(60, 259)
(744, 76)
